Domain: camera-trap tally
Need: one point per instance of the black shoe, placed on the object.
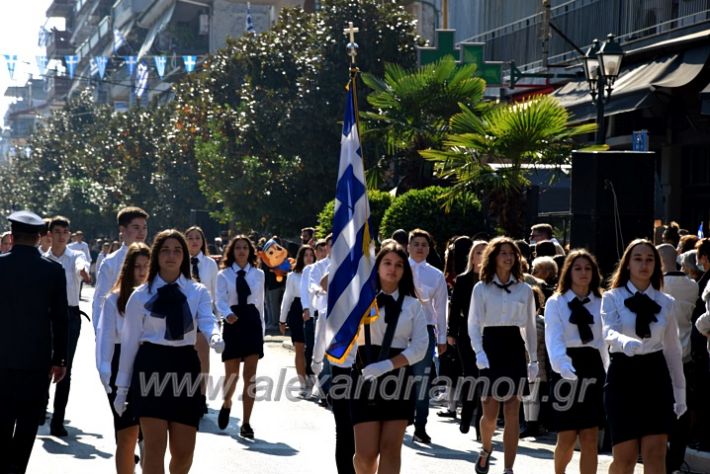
(464, 427)
(136, 459)
(421, 436)
(483, 462)
(223, 418)
(57, 430)
(246, 432)
(446, 414)
(532, 430)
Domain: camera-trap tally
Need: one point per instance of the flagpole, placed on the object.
(352, 48)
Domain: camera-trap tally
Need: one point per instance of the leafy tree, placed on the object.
(490, 155)
(380, 201)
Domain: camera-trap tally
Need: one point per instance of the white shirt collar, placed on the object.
(394, 294)
(650, 291)
(570, 295)
(414, 264)
(236, 267)
(497, 280)
(158, 282)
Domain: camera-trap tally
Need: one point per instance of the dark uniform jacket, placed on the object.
(33, 311)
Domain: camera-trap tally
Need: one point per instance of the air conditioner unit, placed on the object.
(204, 24)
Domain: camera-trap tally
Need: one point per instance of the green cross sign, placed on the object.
(468, 53)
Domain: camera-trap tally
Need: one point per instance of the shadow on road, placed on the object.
(73, 445)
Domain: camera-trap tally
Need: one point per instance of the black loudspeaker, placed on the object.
(612, 198)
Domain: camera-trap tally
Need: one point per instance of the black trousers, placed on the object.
(21, 400)
(680, 436)
(309, 333)
(61, 394)
(344, 435)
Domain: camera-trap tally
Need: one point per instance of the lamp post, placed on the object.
(602, 63)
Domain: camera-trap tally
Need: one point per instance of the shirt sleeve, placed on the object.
(130, 339)
(222, 296)
(289, 295)
(611, 324)
(529, 331)
(305, 295)
(106, 337)
(80, 263)
(672, 350)
(703, 324)
(206, 320)
(319, 340)
(419, 340)
(476, 312)
(441, 307)
(103, 286)
(554, 334)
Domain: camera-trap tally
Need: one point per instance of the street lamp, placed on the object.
(601, 68)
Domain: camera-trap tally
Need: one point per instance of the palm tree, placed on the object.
(488, 154)
(412, 110)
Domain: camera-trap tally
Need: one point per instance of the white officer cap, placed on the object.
(26, 222)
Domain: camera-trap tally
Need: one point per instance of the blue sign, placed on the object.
(639, 140)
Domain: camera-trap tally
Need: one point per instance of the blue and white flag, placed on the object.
(190, 63)
(11, 61)
(42, 65)
(101, 62)
(351, 284)
(118, 39)
(160, 62)
(249, 21)
(71, 61)
(701, 234)
(141, 79)
(130, 64)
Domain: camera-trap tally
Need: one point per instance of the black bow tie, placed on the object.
(387, 302)
(195, 268)
(646, 310)
(582, 318)
(506, 286)
(170, 303)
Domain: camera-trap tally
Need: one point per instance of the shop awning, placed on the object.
(636, 85)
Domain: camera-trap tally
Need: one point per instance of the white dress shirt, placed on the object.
(139, 326)
(293, 291)
(431, 289)
(492, 306)
(311, 289)
(410, 334)
(703, 322)
(108, 333)
(99, 259)
(208, 270)
(81, 247)
(227, 290)
(560, 334)
(105, 279)
(685, 293)
(73, 262)
(619, 326)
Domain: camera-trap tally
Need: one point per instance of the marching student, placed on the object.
(240, 303)
(645, 385)
(76, 270)
(387, 349)
(501, 325)
(157, 342)
(578, 356)
(133, 226)
(292, 311)
(204, 270)
(108, 350)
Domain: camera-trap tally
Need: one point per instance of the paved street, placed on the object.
(291, 436)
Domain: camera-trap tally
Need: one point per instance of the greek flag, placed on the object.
(351, 282)
(249, 21)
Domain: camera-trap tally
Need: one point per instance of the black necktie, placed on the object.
(582, 318)
(170, 304)
(195, 268)
(646, 310)
(386, 302)
(506, 286)
(243, 290)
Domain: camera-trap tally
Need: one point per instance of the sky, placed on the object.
(20, 22)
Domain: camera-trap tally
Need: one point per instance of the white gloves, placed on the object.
(631, 346)
(217, 343)
(374, 370)
(316, 367)
(679, 407)
(567, 371)
(119, 403)
(533, 370)
(482, 361)
(106, 380)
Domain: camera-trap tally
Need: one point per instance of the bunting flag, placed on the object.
(42, 36)
(101, 62)
(42, 65)
(250, 21)
(11, 61)
(351, 284)
(160, 65)
(71, 62)
(118, 39)
(190, 62)
(131, 64)
(141, 79)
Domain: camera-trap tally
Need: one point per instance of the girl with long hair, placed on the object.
(645, 385)
(240, 303)
(158, 340)
(108, 350)
(578, 356)
(387, 348)
(501, 325)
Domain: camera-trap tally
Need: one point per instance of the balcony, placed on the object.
(60, 8)
(126, 10)
(58, 43)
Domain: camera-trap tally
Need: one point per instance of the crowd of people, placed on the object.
(526, 332)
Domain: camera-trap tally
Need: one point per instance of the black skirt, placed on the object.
(245, 337)
(578, 404)
(128, 418)
(294, 319)
(166, 384)
(638, 396)
(507, 376)
(389, 397)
